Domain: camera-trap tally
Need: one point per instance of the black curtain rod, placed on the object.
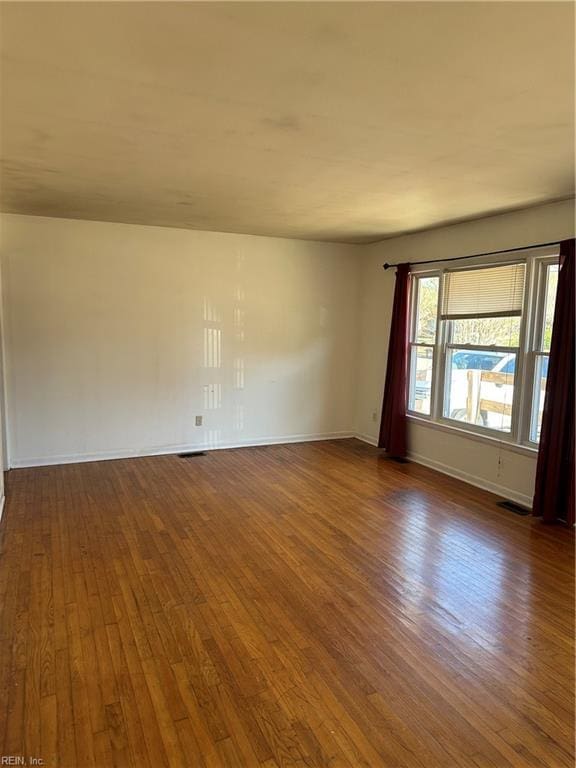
(477, 255)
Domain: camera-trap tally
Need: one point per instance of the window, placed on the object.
(423, 340)
(479, 345)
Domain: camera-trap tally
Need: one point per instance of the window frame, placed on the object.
(527, 353)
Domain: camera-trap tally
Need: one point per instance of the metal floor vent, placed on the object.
(191, 454)
(518, 509)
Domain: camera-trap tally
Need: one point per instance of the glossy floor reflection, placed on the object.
(298, 605)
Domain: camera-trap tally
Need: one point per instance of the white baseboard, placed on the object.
(445, 469)
(367, 439)
(478, 482)
(131, 453)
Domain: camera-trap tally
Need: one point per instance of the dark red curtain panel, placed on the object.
(554, 492)
(393, 427)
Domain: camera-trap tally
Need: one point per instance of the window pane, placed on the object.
(500, 331)
(422, 359)
(540, 376)
(480, 388)
(426, 309)
(550, 302)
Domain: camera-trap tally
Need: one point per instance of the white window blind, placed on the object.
(485, 292)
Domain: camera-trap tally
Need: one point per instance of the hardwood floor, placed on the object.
(298, 605)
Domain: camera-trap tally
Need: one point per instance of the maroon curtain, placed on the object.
(554, 492)
(393, 427)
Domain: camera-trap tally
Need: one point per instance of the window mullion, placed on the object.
(439, 356)
(482, 347)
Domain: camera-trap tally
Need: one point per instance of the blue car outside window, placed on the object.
(510, 366)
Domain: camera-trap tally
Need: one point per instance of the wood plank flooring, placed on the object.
(298, 605)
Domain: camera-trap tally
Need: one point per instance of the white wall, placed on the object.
(118, 336)
(490, 465)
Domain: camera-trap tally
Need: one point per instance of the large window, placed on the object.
(479, 345)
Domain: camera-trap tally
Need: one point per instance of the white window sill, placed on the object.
(525, 450)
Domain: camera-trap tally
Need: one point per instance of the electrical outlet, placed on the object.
(198, 421)
(374, 415)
